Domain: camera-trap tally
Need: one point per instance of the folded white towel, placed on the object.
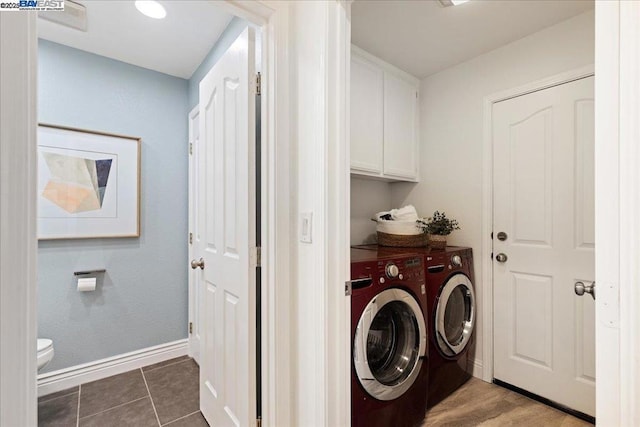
(407, 213)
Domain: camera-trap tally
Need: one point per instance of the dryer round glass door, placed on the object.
(455, 315)
(389, 344)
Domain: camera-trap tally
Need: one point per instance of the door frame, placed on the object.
(486, 261)
(297, 388)
(617, 207)
(272, 17)
(18, 244)
(18, 57)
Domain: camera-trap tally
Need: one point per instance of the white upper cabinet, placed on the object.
(384, 119)
(366, 116)
(400, 148)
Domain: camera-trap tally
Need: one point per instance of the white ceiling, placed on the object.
(175, 45)
(422, 37)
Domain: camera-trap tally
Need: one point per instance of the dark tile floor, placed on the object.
(164, 394)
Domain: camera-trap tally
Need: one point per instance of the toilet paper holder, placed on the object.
(88, 272)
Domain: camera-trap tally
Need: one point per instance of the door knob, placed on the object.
(197, 263)
(501, 257)
(582, 289)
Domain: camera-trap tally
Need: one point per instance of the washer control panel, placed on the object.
(386, 272)
(446, 262)
(400, 269)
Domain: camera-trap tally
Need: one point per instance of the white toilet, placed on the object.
(45, 352)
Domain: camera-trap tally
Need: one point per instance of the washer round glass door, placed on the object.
(455, 315)
(389, 343)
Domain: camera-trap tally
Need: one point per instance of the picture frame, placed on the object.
(88, 184)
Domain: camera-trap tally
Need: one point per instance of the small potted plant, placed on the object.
(438, 227)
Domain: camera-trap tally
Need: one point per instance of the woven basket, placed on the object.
(437, 242)
(402, 241)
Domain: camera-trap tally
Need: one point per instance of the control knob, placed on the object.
(392, 271)
(456, 261)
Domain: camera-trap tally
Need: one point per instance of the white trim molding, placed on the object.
(487, 201)
(63, 379)
(617, 212)
(337, 339)
(607, 214)
(477, 369)
(629, 284)
(18, 121)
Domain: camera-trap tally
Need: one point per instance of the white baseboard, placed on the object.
(477, 369)
(62, 379)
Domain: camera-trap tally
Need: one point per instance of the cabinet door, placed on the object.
(400, 107)
(366, 116)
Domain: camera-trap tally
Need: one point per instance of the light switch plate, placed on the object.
(306, 226)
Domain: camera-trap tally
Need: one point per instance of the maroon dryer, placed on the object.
(389, 369)
(451, 313)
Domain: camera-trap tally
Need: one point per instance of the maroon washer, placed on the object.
(451, 315)
(389, 340)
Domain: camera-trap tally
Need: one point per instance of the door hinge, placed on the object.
(191, 148)
(190, 327)
(258, 422)
(191, 238)
(258, 84)
(258, 256)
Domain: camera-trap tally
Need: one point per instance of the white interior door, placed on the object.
(544, 334)
(196, 214)
(227, 313)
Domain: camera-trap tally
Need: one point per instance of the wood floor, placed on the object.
(478, 403)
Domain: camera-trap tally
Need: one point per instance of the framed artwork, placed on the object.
(88, 184)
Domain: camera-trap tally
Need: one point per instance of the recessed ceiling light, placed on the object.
(153, 9)
(447, 3)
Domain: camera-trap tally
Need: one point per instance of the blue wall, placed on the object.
(143, 300)
(228, 36)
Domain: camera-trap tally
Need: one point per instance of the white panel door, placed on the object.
(366, 115)
(544, 334)
(227, 154)
(196, 241)
(400, 110)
